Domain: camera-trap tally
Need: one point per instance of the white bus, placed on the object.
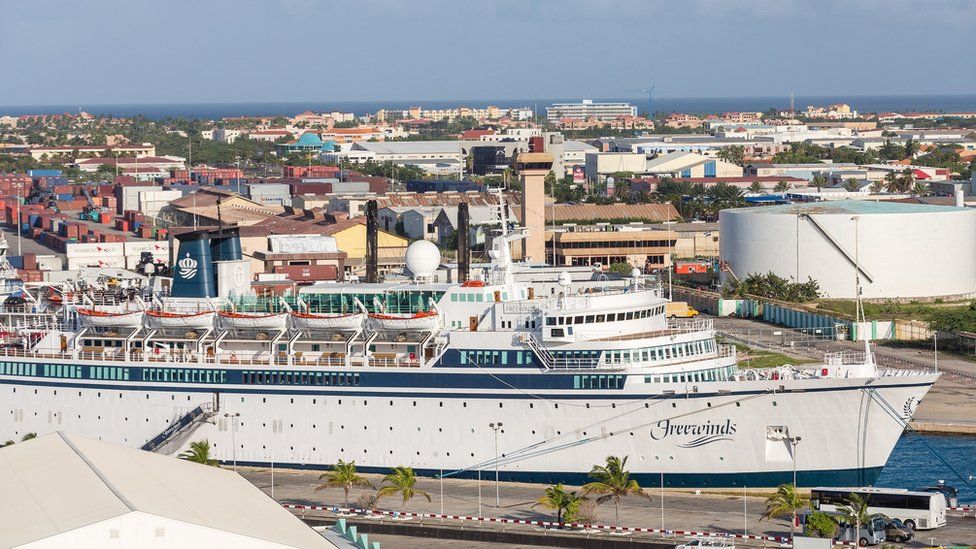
(918, 510)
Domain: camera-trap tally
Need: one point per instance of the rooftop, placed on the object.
(857, 207)
(62, 482)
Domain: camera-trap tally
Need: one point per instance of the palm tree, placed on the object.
(906, 181)
(856, 511)
(557, 499)
(851, 185)
(199, 452)
(911, 148)
(782, 187)
(819, 181)
(877, 187)
(757, 188)
(612, 482)
(343, 475)
(891, 182)
(28, 436)
(402, 481)
(785, 501)
(919, 189)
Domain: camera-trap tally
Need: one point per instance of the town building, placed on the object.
(308, 143)
(587, 108)
(686, 164)
(606, 244)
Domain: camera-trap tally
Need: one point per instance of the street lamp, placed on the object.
(794, 441)
(496, 427)
(233, 434)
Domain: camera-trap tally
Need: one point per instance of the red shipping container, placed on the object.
(302, 273)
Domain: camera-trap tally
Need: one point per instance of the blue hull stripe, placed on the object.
(766, 479)
(362, 391)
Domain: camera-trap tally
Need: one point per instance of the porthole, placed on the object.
(708, 404)
(584, 433)
(738, 404)
(418, 453)
(314, 400)
(342, 426)
(531, 405)
(472, 454)
(391, 452)
(533, 432)
(364, 427)
(646, 405)
(500, 404)
(440, 404)
(340, 402)
(391, 403)
(313, 426)
(464, 404)
(774, 403)
(440, 430)
(391, 427)
(674, 405)
(587, 405)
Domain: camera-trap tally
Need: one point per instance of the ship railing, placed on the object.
(846, 358)
(673, 329)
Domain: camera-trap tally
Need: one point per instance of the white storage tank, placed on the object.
(904, 250)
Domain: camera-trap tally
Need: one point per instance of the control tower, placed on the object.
(532, 169)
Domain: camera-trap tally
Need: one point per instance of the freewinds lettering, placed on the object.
(704, 433)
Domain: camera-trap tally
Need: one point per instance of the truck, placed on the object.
(679, 309)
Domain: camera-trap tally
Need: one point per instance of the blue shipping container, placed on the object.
(16, 261)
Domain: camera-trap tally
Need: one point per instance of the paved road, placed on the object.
(682, 510)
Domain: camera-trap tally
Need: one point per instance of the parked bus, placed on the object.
(917, 510)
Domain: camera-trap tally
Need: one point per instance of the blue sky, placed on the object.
(149, 51)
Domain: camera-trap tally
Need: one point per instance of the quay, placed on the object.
(681, 510)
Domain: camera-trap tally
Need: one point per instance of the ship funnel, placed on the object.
(193, 274)
(463, 244)
(372, 244)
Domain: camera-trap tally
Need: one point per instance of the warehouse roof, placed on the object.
(62, 482)
(855, 207)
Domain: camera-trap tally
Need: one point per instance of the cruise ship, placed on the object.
(459, 379)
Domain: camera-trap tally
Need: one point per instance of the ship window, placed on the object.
(550, 321)
(579, 320)
(557, 332)
(589, 319)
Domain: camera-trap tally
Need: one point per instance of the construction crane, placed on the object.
(650, 100)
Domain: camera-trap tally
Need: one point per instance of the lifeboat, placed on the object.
(257, 321)
(312, 321)
(473, 284)
(417, 322)
(114, 319)
(166, 319)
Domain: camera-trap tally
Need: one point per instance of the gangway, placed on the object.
(184, 425)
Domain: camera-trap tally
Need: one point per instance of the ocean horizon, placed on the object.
(156, 111)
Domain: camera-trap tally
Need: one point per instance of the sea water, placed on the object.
(922, 460)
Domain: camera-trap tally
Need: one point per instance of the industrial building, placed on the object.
(63, 490)
(899, 251)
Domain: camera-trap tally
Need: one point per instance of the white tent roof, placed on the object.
(61, 482)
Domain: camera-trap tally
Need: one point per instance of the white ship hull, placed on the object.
(725, 434)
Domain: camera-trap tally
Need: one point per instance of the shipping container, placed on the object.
(305, 273)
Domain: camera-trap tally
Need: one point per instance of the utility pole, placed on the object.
(233, 435)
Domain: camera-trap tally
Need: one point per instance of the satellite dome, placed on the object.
(423, 258)
(636, 273)
(565, 279)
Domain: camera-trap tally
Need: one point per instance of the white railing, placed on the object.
(673, 329)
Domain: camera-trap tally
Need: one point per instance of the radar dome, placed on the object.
(565, 279)
(423, 258)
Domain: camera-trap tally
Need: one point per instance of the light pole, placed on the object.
(233, 436)
(794, 441)
(496, 427)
